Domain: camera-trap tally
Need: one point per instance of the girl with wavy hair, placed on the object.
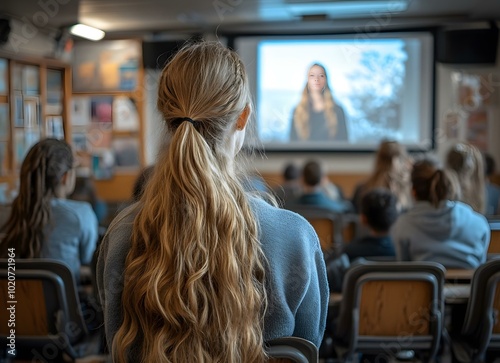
(466, 161)
(43, 223)
(317, 116)
(391, 170)
(195, 271)
(437, 228)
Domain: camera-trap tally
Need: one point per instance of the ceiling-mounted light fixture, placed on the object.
(345, 8)
(87, 32)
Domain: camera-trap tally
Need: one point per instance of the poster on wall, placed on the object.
(106, 66)
(477, 129)
(80, 111)
(125, 115)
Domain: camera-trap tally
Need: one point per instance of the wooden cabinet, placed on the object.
(34, 104)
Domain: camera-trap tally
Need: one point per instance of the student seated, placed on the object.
(313, 195)
(43, 222)
(291, 187)
(378, 213)
(437, 228)
(196, 270)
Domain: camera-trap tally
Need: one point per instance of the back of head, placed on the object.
(312, 173)
(392, 171)
(291, 172)
(466, 161)
(41, 175)
(431, 183)
(195, 270)
(379, 208)
(387, 153)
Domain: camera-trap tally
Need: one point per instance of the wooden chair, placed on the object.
(49, 325)
(390, 307)
(292, 349)
(327, 224)
(481, 329)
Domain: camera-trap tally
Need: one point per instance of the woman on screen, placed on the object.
(318, 117)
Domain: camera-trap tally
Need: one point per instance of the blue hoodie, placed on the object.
(452, 234)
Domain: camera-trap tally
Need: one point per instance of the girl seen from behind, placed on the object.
(196, 270)
(391, 171)
(437, 228)
(43, 223)
(466, 161)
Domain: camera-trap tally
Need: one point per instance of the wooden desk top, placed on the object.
(458, 274)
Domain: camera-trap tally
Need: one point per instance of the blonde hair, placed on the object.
(388, 174)
(194, 277)
(467, 162)
(302, 111)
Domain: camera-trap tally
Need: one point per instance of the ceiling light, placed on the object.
(87, 32)
(347, 7)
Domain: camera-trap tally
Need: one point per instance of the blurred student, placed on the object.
(313, 194)
(291, 188)
(318, 117)
(437, 228)
(85, 191)
(43, 222)
(378, 212)
(466, 162)
(391, 171)
(195, 272)
(492, 190)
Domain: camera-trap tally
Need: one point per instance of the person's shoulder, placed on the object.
(466, 213)
(287, 221)
(76, 208)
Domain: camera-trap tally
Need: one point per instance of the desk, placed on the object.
(454, 274)
(453, 294)
(456, 293)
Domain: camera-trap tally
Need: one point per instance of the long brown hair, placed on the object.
(302, 111)
(431, 183)
(194, 288)
(467, 162)
(41, 174)
(392, 171)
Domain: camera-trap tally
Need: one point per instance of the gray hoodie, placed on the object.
(452, 234)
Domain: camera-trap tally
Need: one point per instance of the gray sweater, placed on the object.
(296, 282)
(452, 234)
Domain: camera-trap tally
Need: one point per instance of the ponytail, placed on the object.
(431, 183)
(194, 274)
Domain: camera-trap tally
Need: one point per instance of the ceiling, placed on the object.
(143, 18)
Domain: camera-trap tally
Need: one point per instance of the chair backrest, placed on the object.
(292, 349)
(384, 302)
(481, 322)
(327, 224)
(494, 246)
(48, 317)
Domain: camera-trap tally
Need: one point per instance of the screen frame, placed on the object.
(430, 135)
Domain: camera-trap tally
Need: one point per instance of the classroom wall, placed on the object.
(349, 168)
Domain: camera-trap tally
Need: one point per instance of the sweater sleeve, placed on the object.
(310, 318)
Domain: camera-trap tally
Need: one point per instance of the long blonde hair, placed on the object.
(467, 162)
(392, 171)
(301, 114)
(194, 277)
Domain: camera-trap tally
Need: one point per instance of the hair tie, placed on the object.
(177, 122)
